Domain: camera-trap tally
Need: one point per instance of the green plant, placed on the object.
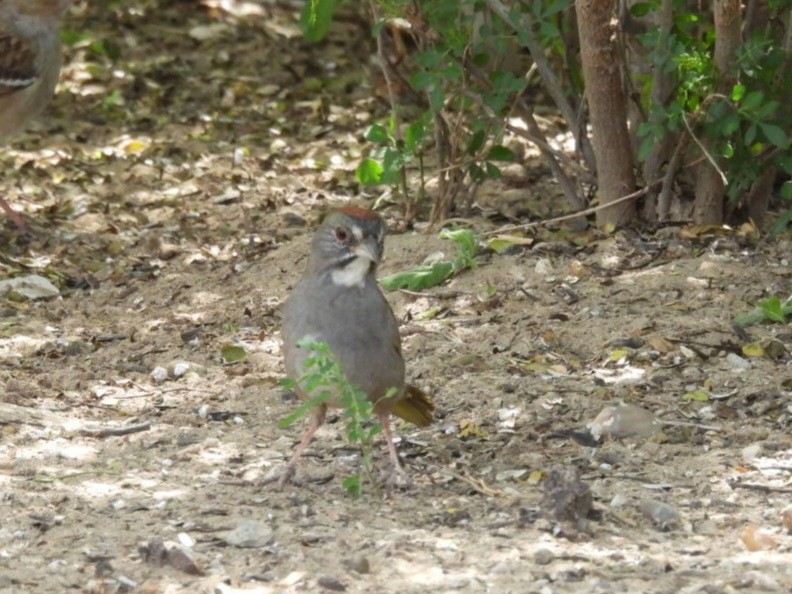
(431, 275)
(743, 130)
(458, 69)
(785, 217)
(768, 310)
(325, 380)
(390, 156)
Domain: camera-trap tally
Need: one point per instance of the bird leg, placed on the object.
(287, 474)
(395, 475)
(13, 215)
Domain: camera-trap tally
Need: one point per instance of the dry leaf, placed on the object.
(660, 344)
(754, 540)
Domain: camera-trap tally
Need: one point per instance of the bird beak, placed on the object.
(367, 249)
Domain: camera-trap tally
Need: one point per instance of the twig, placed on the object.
(115, 431)
(525, 26)
(762, 488)
(574, 215)
(438, 295)
(478, 485)
(704, 150)
(385, 66)
(690, 424)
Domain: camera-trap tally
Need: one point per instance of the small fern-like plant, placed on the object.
(324, 380)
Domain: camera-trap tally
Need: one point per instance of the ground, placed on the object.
(171, 190)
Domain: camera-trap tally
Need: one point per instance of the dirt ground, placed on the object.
(172, 188)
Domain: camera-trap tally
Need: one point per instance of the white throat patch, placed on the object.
(353, 274)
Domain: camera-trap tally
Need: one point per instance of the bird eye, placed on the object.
(341, 234)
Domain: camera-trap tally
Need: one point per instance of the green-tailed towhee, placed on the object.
(338, 302)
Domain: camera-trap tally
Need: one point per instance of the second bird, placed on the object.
(338, 302)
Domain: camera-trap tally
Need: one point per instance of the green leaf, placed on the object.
(436, 97)
(786, 190)
(368, 172)
(767, 110)
(376, 134)
(304, 408)
(775, 134)
(493, 171)
(501, 243)
(749, 318)
(352, 485)
(316, 18)
(233, 354)
(392, 163)
(501, 153)
(696, 396)
(467, 247)
(414, 136)
(752, 100)
(640, 9)
(738, 92)
(750, 135)
(476, 142)
(464, 239)
(418, 279)
(771, 309)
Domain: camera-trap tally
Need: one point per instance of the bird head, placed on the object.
(349, 244)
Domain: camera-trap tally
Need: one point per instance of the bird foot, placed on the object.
(281, 476)
(395, 477)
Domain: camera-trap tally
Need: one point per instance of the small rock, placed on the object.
(752, 452)
(565, 497)
(250, 534)
(31, 287)
(760, 580)
(331, 583)
(619, 500)
(544, 267)
(126, 585)
(358, 563)
(158, 374)
(664, 516)
(155, 552)
(786, 518)
(178, 368)
(625, 420)
(293, 220)
(737, 363)
(543, 556)
(180, 559)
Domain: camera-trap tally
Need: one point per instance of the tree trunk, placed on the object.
(608, 109)
(662, 88)
(758, 198)
(708, 206)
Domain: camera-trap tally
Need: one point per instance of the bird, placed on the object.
(30, 63)
(339, 302)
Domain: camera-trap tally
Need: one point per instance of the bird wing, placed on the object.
(17, 64)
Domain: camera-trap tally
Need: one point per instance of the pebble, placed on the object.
(737, 363)
(250, 534)
(331, 583)
(543, 556)
(358, 564)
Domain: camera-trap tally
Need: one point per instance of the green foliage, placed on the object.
(431, 275)
(745, 131)
(391, 155)
(785, 217)
(316, 18)
(768, 310)
(460, 72)
(324, 379)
